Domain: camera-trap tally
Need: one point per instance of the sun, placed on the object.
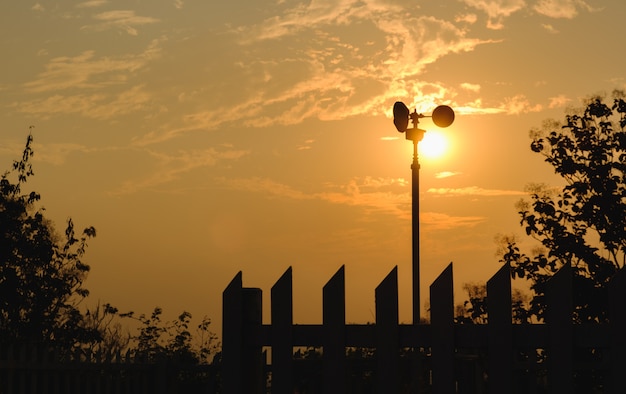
(433, 146)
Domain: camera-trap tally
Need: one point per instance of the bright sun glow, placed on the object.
(433, 146)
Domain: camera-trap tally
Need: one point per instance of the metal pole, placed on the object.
(415, 134)
(415, 167)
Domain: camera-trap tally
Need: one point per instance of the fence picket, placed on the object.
(442, 323)
(387, 339)
(232, 336)
(561, 330)
(499, 341)
(334, 328)
(282, 334)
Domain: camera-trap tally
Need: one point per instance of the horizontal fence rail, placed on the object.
(438, 357)
(29, 368)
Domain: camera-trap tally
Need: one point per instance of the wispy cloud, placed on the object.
(92, 4)
(306, 145)
(95, 106)
(446, 174)
(567, 9)
(38, 8)
(467, 18)
(441, 221)
(519, 104)
(496, 10)
(57, 153)
(87, 71)
(475, 191)
(559, 101)
(470, 86)
(125, 20)
(384, 195)
(550, 28)
(171, 167)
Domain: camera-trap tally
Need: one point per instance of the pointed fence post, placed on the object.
(242, 362)
(334, 328)
(282, 334)
(617, 319)
(387, 337)
(499, 328)
(561, 331)
(232, 336)
(442, 325)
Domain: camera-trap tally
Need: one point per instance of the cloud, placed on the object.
(357, 59)
(471, 87)
(306, 145)
(446, 174)
(549, 28)
(519, 104)
(56, 154)
(474, 191)
(349, 75)
(125, 20)
(171, 167)
(92, 4)
(566, 9)
(559, 101)
(374, 195)
(476, 108)
(86, 71)
(467, 18)
(95, 106)
(496, 10)
(441, 221)
(383, 195)
(178, 4)
(38, 8)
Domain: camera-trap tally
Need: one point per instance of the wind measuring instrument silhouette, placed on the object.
(442, 116)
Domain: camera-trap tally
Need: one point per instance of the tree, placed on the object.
(173, 340)
(583, 223)
(41, 288)
(41, 272)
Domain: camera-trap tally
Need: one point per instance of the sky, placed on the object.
(204, 138)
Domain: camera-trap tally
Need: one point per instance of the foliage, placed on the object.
(584, 223)
(113, 338)
(474, 309)
(173, 340)
(41, 272)
(41, 288)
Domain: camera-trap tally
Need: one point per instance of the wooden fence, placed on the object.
(28, 368)
(439, 357)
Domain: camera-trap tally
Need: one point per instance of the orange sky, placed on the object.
(204, 138)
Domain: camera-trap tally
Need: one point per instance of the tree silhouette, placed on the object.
(584, 223)
(41, 286)
(41, 271)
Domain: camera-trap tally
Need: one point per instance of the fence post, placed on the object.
(617, 319)
(561, 331)
(253, 372)
(242, 363)
(387, 339)
(442, 326)
(282, 334)
(334, 327)
(499, 339)
(232, 336)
